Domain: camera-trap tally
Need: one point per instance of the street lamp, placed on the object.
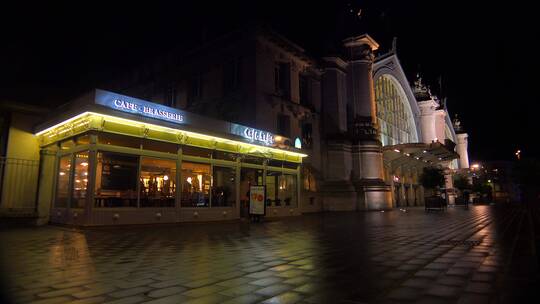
(518, 154)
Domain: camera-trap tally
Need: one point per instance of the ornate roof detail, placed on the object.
(458, 128)
(421, 91)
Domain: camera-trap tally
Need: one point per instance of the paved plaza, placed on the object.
(480, 255)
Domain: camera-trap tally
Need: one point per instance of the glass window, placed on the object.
(287, 189)
(223, 187)
(303, 86)
(224, 155)
(282, 164)
(250, 159)
(271, 188)
(393, 115)
(310, 182)
(67, 144)
(62, 184)
(116, 180)
(159, 146)
(83, 139)
(157, 182)
(80, 180)
(195, 151)
(119, 140)
(196, 181)
(282, 79)
(307, 131)
(280, 189)
(284, 125)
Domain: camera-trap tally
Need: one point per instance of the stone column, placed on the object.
(338, 192)
(368, 177)
(462, 150)
(428, 120)
(360, 51)
(449, 185)
(440, 125)
(47, 182)
(334, 97)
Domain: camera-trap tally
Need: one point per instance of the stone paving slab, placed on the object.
(480, 255)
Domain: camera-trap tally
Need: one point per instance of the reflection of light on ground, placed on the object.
(325, 255)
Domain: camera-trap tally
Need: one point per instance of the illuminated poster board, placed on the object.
(257, 198)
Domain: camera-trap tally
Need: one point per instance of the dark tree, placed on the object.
(432, 178)
(461, 182)
(526, 173)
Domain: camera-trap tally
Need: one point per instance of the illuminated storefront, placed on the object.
(122, 160)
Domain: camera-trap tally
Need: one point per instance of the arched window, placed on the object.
(394, 114)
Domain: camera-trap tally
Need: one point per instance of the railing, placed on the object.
(18, 183)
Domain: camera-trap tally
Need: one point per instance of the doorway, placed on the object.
(248, 177)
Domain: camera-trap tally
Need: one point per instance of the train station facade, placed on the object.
(181, 139)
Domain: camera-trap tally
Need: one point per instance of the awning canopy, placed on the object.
(418, 154)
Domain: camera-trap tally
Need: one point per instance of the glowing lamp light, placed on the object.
(165, 177)
(475, 166)
(424, 151)
(189, 180)
(298, 143)
(397, 150)
(62, 173)
(84, 164)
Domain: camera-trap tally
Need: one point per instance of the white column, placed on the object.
(428, 120)
(440, 125)
(462, 150)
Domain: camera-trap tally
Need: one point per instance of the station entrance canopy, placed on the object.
(419, 155)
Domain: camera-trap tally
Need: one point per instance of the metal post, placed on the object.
(238, 176)
(179, 182)
(91, 185)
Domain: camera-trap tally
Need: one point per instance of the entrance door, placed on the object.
(248, 177)
(397, 188)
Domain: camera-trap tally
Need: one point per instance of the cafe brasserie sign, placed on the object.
(161, 112)
(147, 110)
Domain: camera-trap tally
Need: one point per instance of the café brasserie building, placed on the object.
(114, 159)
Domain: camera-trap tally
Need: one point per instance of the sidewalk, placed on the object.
(480, 255)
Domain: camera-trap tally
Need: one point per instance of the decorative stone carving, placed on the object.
(390, 65)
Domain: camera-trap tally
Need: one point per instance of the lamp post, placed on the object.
(518, 154)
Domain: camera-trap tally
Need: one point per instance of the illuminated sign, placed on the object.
(253, 135)
(151, 111)
(257, 135)
(138, 106)
(141, 107)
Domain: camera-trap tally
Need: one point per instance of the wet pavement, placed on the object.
(481, 255)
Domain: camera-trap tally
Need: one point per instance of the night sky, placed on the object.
(485, 53)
